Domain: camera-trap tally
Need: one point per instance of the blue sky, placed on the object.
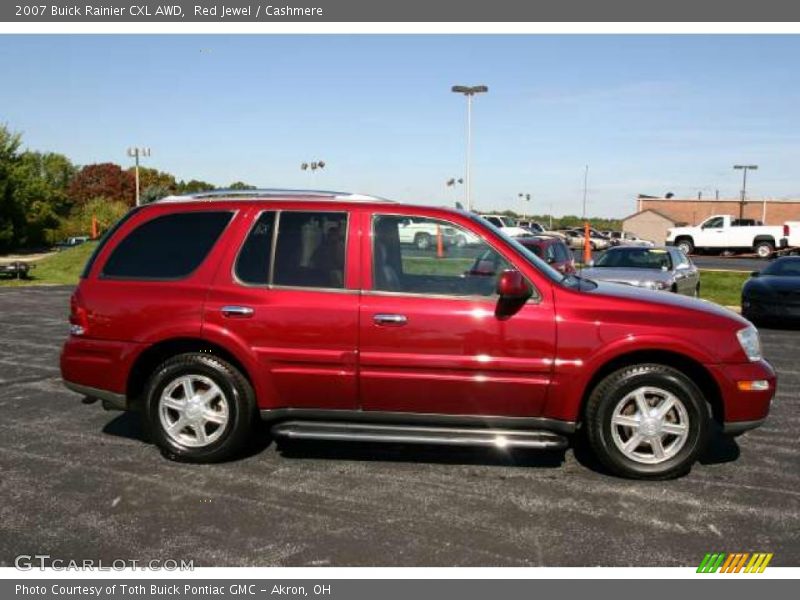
(648, 114)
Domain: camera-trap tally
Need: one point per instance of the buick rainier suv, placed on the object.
(314, 312)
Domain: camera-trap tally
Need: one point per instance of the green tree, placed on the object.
(156, 179)
(11, 217)
(107, 211)
(193, 186)
(241, 185)
(41, 183)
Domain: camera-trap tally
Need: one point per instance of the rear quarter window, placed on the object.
(167, 247)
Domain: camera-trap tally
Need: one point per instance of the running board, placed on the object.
(416, 434)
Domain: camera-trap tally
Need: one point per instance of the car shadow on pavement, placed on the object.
(419, 453)
(721, 449)
(129, 425)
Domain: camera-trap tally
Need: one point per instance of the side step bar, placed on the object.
(416, 434)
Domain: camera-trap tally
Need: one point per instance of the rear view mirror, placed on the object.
(511, 285)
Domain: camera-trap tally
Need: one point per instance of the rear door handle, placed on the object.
(390, 320)
(237, 312)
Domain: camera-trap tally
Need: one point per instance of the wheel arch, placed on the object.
(158, 352)
(687, 365)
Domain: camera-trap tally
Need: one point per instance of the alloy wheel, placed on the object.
(650, 425)
(193, 411)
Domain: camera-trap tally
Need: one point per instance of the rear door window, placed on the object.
(167, 247)
(310, 249)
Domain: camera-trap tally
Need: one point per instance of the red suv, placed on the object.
(306, 309)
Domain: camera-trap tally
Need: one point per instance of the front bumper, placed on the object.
(744, 410)
(766, 309)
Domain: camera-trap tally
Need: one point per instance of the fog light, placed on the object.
(759, 385)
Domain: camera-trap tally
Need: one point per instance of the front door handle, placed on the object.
(237, 312)
(391, 320)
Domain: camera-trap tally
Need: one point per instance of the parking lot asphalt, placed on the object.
(78, 482)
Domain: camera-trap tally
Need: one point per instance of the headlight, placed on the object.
(751, 345)
(654, 285)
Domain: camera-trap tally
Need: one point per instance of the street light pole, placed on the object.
(744, 169)
(136, 152)
(469, 92)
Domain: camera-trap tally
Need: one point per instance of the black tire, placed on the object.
(422, 241)
(686, 245)
(764, 249)
(238, 396)
(614, 388)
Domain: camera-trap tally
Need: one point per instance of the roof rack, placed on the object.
(259, 194)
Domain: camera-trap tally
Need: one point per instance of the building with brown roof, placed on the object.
(692, 211)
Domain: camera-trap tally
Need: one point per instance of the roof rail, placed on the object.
(258, 194)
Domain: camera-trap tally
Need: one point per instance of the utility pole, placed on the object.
(744, 169)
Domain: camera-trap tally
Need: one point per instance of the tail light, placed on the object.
(785, 230)
(78, 317)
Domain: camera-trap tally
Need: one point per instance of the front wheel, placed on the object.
(686, 246)
(647, 421)
(422, 241)
(199, 408)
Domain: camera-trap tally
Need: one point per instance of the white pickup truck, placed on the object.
(791, 237)
(724, 232)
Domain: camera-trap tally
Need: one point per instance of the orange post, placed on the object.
(439, 244)
(94, 227)
(587, 244)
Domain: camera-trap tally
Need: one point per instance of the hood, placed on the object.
(630, 292)
(630, 276)
(774, 283)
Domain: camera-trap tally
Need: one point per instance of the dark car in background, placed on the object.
(774, 292)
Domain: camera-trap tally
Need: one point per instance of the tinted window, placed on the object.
(167, 247)
(561, 252)
(252, 265)
(635, 258)
(419, 255)
(104, 240)
(310, 249)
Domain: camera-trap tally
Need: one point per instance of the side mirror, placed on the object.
(511, 285)
(755, 273)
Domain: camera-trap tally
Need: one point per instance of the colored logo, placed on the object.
(738, 562)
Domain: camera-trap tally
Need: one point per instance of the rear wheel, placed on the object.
(647, 422)
(199, 408)
(764, 249)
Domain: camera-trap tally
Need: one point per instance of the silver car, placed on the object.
(667, 269)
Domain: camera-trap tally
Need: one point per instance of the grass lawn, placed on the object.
(722, 287)
(61, 268)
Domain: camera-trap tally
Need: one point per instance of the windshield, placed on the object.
(635, 258)
(787, 267)
(529, 256)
